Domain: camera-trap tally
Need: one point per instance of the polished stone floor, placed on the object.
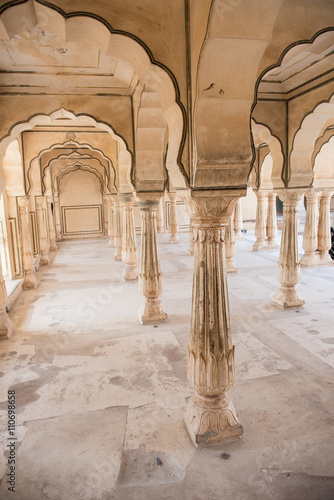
(99, 397)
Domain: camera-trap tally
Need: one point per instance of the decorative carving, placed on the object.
(30, 280)
(129, 244)
(42, 231)
(288, 272)
(173, 227)
(70, 136)
(150, 276)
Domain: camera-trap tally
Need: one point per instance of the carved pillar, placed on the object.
(161, 217)
(210, 415)
(173, 228)
(230, 246)
(150, 275)
(129, 243)
(106, 215)
(310, 241)
(42, 231)
(30, 280)
(118, 227)
(238, 223)
(191, 238)
(58, 217)
(271, 221)
(261, 221)
(52, 232)
(111, 221)
(6, 325)
(324, 229)
(288, 272)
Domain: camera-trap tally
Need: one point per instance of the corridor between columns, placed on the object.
(80, 360)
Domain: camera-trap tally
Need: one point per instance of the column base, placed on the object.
(260, 245)
(238, 235)
(230, 266)
(111, 242)
(6, 325)
(173, 238)
(45, 260)
(209, 420)
(151, 311)
(190, 250)
(271, 244)
(324, 259)
(160, 230)
(30, 280)
(287, 297)
(53, 247)
(309, 260)
(130, 273)
(118, 254)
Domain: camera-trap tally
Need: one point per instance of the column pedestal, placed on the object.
(150, 276)
(52, 232)
(173, 227)
(129, 244)
(288, 272)
(324, 229)
(272, 221)
(42, 231)
(118, 227)
(29, 280)
(261, 221)
(210, 416)
(238, 222)
(310, 242)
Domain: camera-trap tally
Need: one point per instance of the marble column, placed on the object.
(261, 221)
(324, 229)
(6, 325)
(106, 215)
(150, 275)
(271, 221)
(42, 231)
(129, 243)
(173, 227)
(29, 280)
(238, 223)
(111, 220)
(52, 232)
(210, 415)
(58, 217)
(118, 228)
(230, 246)
(310, 241)
(190, 250)
(161, 217)
(288, 272)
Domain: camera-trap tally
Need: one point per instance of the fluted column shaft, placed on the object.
(261, 221)
(161, 217)
(58, 217)
(150, 275)
(129, 243)
(210, 415)
(238, 222)
(230, 246)
(30, 280)
(42, 231)
(272, 221)
(324, 228)
(111, 222)
(191, 238)
(310, 241)
(173, 227)
(118, 227)
(288, 272)
(6, 325)
(52, 232)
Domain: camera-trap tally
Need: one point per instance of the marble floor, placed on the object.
(99, 397)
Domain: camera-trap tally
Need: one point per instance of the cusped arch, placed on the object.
(83, 27)
(311, 129)
(324, 165)
(263, 135)
(73, 168)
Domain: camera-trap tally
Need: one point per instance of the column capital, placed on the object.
(148, 201)
(290, 196)
(210, 208)
(22, 202)
(126, 198)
